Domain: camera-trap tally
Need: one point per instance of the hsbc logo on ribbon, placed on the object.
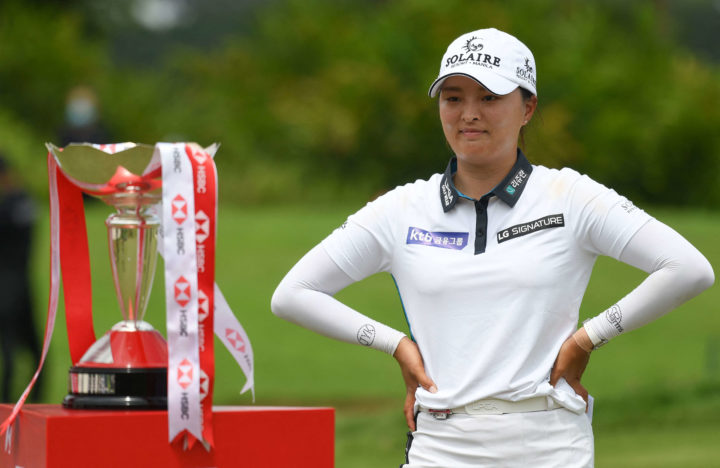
(203, 306)
(236, 341)
(185, 374)
(202, 232)
(179, 209)
(204, 385)
(202, 226)
(200, 172)
(200, 157)
(182, 291)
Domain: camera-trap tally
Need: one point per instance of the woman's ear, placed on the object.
(530, 106)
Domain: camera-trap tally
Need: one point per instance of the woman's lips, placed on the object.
(472, 131)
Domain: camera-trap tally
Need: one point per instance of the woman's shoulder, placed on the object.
(393, 205)
(565, 176)
(567, 183)
(552, 173)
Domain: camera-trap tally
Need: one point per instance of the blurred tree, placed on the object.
(44, 53)
(316, 98)
(337, 90)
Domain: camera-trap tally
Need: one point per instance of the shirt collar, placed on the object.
(508, 190)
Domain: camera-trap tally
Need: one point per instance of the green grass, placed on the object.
(657, 389)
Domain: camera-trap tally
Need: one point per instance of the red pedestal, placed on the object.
(248, 437)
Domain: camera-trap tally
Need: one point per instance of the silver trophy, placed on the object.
(127, 366)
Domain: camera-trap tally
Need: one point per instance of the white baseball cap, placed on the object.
(495, 59)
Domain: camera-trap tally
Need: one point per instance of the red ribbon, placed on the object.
(204, 178)
(75, 267)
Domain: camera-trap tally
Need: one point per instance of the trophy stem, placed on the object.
(132, 239)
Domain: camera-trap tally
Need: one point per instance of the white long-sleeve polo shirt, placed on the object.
(491, 288)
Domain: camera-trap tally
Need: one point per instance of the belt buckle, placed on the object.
(440, 414)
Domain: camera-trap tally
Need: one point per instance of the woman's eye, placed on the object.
(452, 98)
(489, 97)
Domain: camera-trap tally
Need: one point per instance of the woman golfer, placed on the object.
(491, 259)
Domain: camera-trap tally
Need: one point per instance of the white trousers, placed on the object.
(554, 438)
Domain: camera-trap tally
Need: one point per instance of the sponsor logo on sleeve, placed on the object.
(614, 316)
(628, 206)
(444, 240)
(547, 222)
(366, 334)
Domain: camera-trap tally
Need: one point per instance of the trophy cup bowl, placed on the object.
(126, 367)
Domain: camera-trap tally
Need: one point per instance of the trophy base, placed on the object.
(117, 388)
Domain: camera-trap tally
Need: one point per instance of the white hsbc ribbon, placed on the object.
(233, 336)
(181, 293)
(226, 326)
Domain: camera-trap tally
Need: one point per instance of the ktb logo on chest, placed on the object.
(444, 240)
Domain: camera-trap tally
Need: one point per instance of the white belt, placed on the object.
(493, 406)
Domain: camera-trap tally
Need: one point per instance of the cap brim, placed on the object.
(493, 82)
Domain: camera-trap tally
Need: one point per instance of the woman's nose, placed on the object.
(470, 113)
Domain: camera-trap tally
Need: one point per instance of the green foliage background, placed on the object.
(319, 99)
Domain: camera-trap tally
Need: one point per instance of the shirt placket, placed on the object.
(481, 223)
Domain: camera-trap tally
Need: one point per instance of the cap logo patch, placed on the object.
(471, 46)
(526, 73)
(483, 60)
(527, 65)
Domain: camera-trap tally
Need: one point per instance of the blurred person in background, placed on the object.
(82, 118)
(491, 259)
(17, 324)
